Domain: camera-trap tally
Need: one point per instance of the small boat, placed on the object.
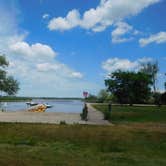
(38, 108)
(48, 106)
(31, 103)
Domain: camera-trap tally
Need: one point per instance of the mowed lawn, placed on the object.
(82, 145)
(134, 114)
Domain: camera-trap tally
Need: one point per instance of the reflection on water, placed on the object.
(74, 106)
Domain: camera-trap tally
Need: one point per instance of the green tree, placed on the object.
(129, 87)
(151, 68)
(7, 83)
(103, 95)
(165, 83)
(163, 98)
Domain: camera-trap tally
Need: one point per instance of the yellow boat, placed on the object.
(38, 108)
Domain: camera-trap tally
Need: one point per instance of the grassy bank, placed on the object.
(14, 98)
(130, 114)
(17, 98)
(65, 145)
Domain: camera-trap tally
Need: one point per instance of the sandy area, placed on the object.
(34, 117)
(94, 117)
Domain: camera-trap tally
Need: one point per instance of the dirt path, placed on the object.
(95, 116)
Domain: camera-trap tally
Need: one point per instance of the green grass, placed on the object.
(138, 138)
(76, 145)
(130, 114)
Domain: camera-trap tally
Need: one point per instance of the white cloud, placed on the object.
(76, 75)
(47, 67)
(45, 16)
(38, 51)
(35, 65)
(122, 29)
(155, 38)
(107, 13)
(144, 60)
(114, 64)
(58, 68)
(71, 20)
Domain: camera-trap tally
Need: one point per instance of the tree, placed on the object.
(165, 84)
(151, 68)
(129, 87)
(7, 83)
(91, 98)
(103, 96)
(163, 98)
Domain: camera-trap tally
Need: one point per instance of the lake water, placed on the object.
(73, 106)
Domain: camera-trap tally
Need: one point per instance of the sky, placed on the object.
(62, 48)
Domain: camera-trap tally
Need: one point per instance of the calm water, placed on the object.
(74, 106)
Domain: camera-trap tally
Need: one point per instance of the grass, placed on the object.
(138, 138)
(76, 145)
(130, 114)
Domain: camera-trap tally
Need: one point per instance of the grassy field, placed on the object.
(76, 145)
(138, 138)
(131, 114)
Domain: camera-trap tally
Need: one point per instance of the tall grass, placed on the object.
(76, 145)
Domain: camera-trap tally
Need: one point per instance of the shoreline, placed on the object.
(94, 117)
(40, 117)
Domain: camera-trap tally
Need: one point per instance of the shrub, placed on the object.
(163, 98)
(63, 122)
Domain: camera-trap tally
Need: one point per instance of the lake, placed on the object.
(73, 106)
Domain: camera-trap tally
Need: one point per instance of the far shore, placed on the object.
(26, 99)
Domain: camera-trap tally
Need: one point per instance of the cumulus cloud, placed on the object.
(35, 65)
(47, 67)
(118, 34)
(155, 38)
(114, 64)
(71, 20)
(58, 68)
(38, 51)
(104, 15)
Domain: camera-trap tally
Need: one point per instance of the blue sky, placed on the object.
(61, 48)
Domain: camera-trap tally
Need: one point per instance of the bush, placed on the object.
(163, 98)
(63, 122)
(84, 114)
